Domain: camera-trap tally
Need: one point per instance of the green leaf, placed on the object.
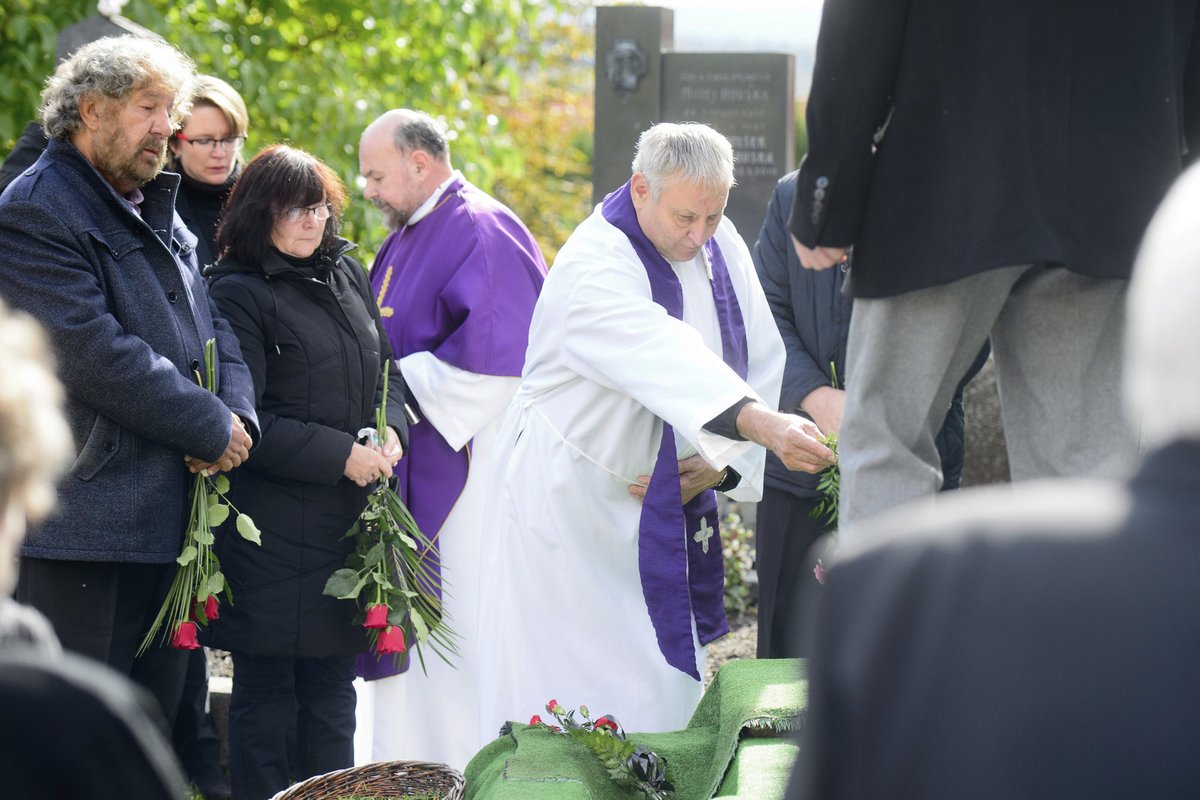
(221, 483)
(375, 554)
(203, 536)
(419, 627)
(217, 513)
(216, 582)
(187, 556)
(248, 530)
(341, 583)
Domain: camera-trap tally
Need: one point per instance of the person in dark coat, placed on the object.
(90, 246)
(812, 310)
(1038, 641)
(994, 166)
(312, 337)
(206, 151)
(69, 727)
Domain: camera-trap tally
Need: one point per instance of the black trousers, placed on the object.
(267, 692)
(102, 610)
(786, 532)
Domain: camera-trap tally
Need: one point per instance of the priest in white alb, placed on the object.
(652, 377)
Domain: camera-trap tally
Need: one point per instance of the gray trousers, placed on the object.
(1056, 342)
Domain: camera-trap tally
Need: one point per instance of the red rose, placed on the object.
(535, 720)
(212, 608)
(185, 636)
(606, 722)
(391, 640)
(376, 616)
(553, 704)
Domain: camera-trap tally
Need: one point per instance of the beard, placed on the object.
(124, 168)
(394, 218)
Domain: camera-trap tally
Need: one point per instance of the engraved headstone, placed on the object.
(640, 81)
(749, 97)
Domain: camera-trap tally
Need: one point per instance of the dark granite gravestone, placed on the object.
(630, 42)
(748, 97)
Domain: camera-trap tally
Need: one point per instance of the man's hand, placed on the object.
(793, 438)
(825, 404)
(236, 452)
(365, 465)
(819, 257)
(695, 475)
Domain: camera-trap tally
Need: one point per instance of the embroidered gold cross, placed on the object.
(384, 311)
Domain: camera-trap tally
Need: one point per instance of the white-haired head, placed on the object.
(1162, 348)
(688, 152)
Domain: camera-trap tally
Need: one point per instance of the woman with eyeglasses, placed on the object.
(207, 153)
(311, 335)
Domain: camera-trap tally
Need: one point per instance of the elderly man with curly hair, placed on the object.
(93, 249)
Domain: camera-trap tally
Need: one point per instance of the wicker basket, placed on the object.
(381, 779)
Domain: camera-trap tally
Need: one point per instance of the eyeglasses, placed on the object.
(232, 143)
(320, 212)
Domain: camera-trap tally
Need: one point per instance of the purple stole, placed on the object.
(682, 571)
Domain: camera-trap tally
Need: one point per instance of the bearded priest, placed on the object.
(456, 282)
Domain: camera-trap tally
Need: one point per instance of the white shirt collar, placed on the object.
(431, 201)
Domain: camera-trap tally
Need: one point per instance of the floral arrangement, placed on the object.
(629, 764)
(387, 574)
(193, 599)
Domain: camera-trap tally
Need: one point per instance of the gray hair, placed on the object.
(115, 67)
(687, 151)
(416, 130)
(1162, 359)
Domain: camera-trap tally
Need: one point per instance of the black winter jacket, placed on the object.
(315, 348)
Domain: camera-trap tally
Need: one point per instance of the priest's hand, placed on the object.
(819, 257)
(365, 465)
(695, 475)
(793, 438)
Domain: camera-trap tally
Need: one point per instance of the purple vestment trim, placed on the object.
(682, 573)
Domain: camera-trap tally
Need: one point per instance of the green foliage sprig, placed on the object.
(194, 596)
(829, 484)
(632, 765)
(388, 574)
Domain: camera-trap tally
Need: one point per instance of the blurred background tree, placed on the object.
(511, 80)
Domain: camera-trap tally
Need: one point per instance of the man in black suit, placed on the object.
(993, 166)
(1037, 641)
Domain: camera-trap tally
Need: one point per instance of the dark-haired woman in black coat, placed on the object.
(310, 333)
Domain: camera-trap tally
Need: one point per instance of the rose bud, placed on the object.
(606, 723)
(376, 616)
(185, 636)
(535, 720)
(391, 640)
(212, 608)
(553, 704)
